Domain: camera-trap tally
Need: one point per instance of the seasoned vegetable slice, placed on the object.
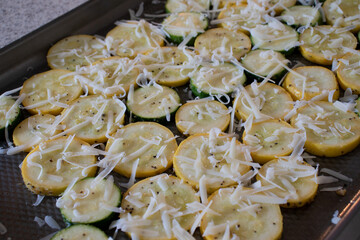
(173, 6)
(242, 213)
(90, 201)
(76, 51)
(173, 199)
(210, 161)
(110, 76)
(34, 130)
(151, 144)
(154, 103)
(50, 91)
(9, 112)
(323, 44)
(348, 72)
(213, 79)
(297, 16)
(222, 44)
(292, 180)
(80, 232)
(52, 165)
(305, 83)
(94, 118)
(331, 130)
(270, 139)
(201, 116)
(131, 38)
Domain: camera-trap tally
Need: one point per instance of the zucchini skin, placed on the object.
(12, 125)
(145, 119)
(197, 92)
(251, 77)
(58, 234)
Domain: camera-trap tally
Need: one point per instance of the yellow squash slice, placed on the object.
(348, 72)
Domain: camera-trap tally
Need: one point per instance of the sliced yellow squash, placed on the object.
(348, 72)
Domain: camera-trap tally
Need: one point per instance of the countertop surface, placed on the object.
(19, 17)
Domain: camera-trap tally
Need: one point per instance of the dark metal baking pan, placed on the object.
(27, 56)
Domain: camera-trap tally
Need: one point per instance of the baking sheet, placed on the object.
(27, 56)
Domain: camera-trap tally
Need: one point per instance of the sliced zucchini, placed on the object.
(174, 6)
(201, 116)
(297, 16)
(208, 156)
(275, 36)
(263, 99)
(90, 201)
(152, 144)
(216, 79)
(52, 165)
(222, 44)
(171, 196)
(10, 113)
(243, 218)
(181, 25)
(34, 130)
(241, 17)
(80, 232)
(110, 76)
(305, 83)
(169, 66)
(275, 5)
(153, 103)
(330, 131)
(270, 139)
(228, 3)
(323, 44)
(94, 118)
(76, 51)
(343, 13)
(50, 91)
(292, 180)
(357, 106)
(348, 72)
(265, 63)
(131, 38)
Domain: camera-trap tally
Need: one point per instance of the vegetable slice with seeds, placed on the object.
(80, 232)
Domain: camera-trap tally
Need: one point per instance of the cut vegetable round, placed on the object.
(80, 232)
(240, 17)
(153, 103)
(291, 180)
(52, 165)
(9, 112)
(201, 116)
(50, 92)
(34, 130)
(222, 44)
(270, 139)
(331, 129)
(263, 101)
(151, 144)
(169, 66)
(343, 13)
(305, 83)
(76, 51)
(216, 79)
(110, 76)
(131, 38)
(180, 26)
(90, 201)
(274, 36)
(297, 16)
(173, 6)
(276, 5)
(348, 72)
(170, 196)
(357, 106)
(94, 118)
(265, 63)
(213, 158)
(245, 217)
(323, 44)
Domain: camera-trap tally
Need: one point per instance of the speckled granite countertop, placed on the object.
(19, 17)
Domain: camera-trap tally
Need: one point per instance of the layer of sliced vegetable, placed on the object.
(297, 16)
(80, 232)
(174, 6)
(10, 113)
(348, 72)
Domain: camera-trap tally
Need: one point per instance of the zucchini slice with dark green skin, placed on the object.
(153, 103)
(10, 113)
(275, 36)
(90, 201)
(297, 16)
(216, 79)
(80, 232)
(180, 25)
(264, 63)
